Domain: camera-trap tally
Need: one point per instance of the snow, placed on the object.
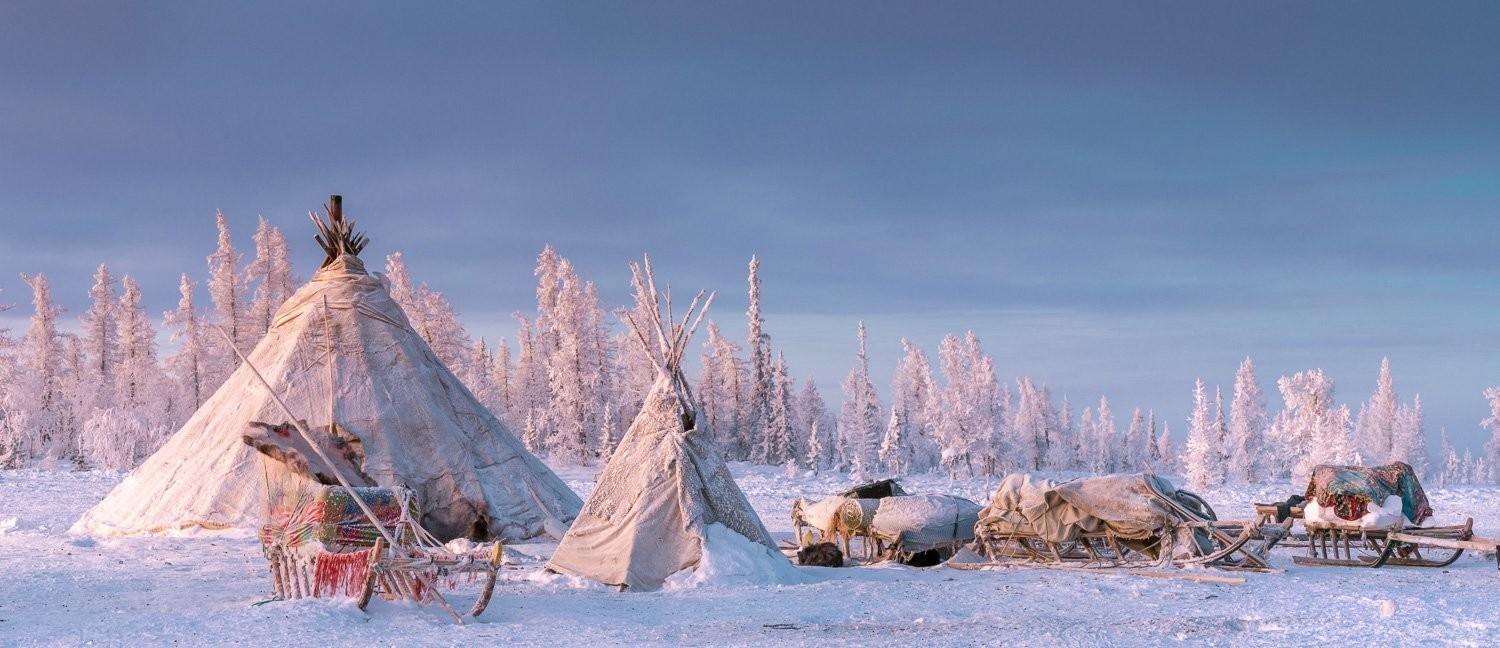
(732, 560)
(1384, 516)
(201, 589)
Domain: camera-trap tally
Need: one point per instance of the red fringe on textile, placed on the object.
(340, 573)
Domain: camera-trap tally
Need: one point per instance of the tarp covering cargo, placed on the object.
(925, 522)
(1350, 492)
(1123, 505)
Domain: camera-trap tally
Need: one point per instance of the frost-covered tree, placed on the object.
(1409, 437)
(187, 365)
(576, 376)
(100, 344)
(1086, 457)
(137, 383)
(227, 293)
(914, 396)
(859, 417)
(1200, 454)
(529, 389)
(268, 278)
(1247, 427)
(1448, 471)
(1153, 450)
(500, 380)
(778, 445)
(1028, 426)
(895, 445)
(1375, 430)
(1104, 457)
(120, 436)
(814, 418)
(1164, 451)
(720, 389)
(1060, 446)
(759, 344)
(1135, 454)
(1221, 433)
(635, 371)
(1310, 429)
(42, 420)
(1491, 469)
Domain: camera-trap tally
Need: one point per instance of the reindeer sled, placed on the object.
(917, 530)
(1359, 516)
(1112, 521)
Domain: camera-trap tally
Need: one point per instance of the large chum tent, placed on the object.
(341, 351)
(666, 496)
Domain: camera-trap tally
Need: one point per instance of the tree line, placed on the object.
(102, 397)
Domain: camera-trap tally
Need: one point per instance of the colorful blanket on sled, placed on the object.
(329, 515)
(1349, 490)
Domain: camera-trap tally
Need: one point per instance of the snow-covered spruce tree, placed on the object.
(1310, 430)
(43, 421)
(914, 396)
(1247, 427)
(529, 389)
(119, 437)
(719, 392)
(1165, 455)
(1200, 454)
(500, 377)
(818, 423)
(1447, 473)
(1086, 434)
(1153, 451)
(895, 445)
(759, 345)
(480, 375)
(100, 344)
(1409, 437)
(575, 372)
(1491, 471)
(1028, 427)
(1375, 429)
(814, 457)
(431, 316)
(859, 416)
(778, 443)
(1134, 457)
(1061, 442)
(227, 294)
(268, 279)
(187, 365)
(1106, 442)
(1221, 434)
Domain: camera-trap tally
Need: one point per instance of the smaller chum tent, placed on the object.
(666, 496)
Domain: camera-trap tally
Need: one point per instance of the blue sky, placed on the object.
(1117, 198)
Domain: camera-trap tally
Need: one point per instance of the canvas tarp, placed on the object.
(1058, 512)
(925, 522)
(416, 424)
(1350, 491)
(646, 518)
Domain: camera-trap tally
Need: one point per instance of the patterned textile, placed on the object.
(328, 515)
(1350, 490)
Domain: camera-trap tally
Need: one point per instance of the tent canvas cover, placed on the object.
(412, 422)
(650, 513)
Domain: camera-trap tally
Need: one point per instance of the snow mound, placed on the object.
(1384, 517)
(7, 525)
(732, 560)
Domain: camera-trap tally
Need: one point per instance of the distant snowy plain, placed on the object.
(202, 590)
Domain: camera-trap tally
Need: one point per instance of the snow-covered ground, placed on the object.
(57, 589)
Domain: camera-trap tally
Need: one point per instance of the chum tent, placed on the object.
(341, 351)
(666, 502)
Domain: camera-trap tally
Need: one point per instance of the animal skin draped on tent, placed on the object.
(666, 482)
(415, 425)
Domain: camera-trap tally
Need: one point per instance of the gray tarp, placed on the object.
(924, 522)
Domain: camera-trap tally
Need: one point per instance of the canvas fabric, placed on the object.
(418, 427)
(1059, 512)
(645, 519)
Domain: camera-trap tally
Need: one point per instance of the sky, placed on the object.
(1118, 198)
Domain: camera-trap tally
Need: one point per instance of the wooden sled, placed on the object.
(1348, 545)
(409, 572)
(1229, 545)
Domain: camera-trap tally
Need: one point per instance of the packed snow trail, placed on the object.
(62, 590)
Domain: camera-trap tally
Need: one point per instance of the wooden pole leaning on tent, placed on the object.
(318, 449)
